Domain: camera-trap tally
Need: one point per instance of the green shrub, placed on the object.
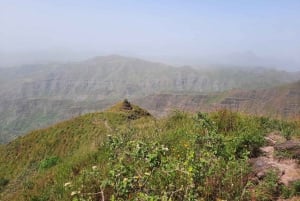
(49, 162)
(287, 132)
(182, 157)
(290, 191)
(268, 189)
(286, 192)
(226, 120)
(296, 187)
(247, 143)
(39, 198)
(151, 170)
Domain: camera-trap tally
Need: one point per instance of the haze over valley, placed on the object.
(149, 100)
(36, 96)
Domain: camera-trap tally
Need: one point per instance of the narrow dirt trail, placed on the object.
(107, 126)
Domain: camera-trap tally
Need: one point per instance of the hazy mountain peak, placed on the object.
(112, 58)
(123, 60)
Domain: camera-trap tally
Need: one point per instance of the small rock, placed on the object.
(274, 138)
(260, 164)
(261, 175)
(270, 141)
(267, 151)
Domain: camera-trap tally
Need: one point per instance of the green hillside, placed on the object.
(125, 153)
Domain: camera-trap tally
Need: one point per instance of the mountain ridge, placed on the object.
(92, 84)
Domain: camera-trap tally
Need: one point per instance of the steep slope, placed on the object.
(117, 76)
(281, 102)
(21, 115)
(72, 143)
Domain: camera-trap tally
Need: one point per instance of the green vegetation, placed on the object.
(268, 189)
(126, 154)
(49, 162)
(296, 187)
(294, 190)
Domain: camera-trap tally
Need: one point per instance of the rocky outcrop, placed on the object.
(288, 170)
(274, 102)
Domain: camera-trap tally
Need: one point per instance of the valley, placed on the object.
(36, 96)
(149, 100)
(277, 102)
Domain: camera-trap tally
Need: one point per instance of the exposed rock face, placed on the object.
(275, 102)
(288, 170)
(163, 104)
(281, 101)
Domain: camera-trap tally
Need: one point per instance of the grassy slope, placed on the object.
(80, 143)
(73, 141)
(28, 115)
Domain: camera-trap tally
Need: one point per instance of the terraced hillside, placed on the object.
(277, 102)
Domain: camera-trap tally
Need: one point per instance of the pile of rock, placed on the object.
(126, 105)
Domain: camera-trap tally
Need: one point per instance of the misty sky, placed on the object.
(187, 31)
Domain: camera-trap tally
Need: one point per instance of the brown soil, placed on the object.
(288, 169)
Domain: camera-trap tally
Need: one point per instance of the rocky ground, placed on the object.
(282, 156)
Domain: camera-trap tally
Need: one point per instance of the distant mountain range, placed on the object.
(35, 96)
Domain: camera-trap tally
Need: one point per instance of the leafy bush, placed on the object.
(182, 157)
(287, 128)
(49, 162)
(247, 143)
(290, 191)
(268, 189)
(150, 170)
(226, 120)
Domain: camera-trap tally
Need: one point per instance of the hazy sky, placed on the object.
(187, 30)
